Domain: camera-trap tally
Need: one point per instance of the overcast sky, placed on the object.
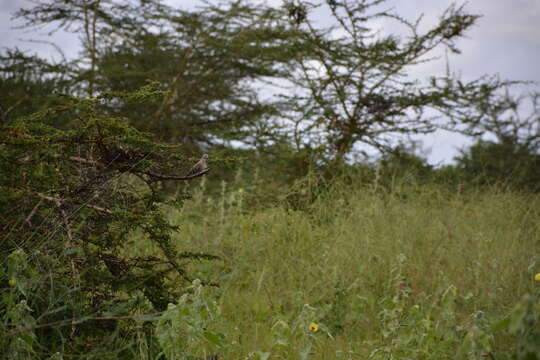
(505, 41)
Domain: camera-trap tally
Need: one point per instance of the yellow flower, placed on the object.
(313, 327)
(537, 277)
(12, 282)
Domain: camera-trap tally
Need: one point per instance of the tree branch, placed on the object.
(32, 213)
(158, 176)
(60, 201)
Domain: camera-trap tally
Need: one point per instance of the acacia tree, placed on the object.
(354, 81)
(210, 60)
(210, 64)
(73, 200)
(28, 83)
(507, 118)
(350, 83)
(507, 147)
(85, 17)
(99, 24)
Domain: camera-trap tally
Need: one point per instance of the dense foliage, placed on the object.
(71, 200)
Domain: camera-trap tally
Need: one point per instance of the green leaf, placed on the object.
(263, 355)
(500, 325)
(214, 338)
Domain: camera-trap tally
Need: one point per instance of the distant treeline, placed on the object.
(334, 87)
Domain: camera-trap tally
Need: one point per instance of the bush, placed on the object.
(505, 162)
(74, 200)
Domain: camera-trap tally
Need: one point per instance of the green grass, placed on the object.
(415, 272)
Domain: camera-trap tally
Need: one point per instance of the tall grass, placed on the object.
(412, 271)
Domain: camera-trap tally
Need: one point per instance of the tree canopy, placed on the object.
(335, 87)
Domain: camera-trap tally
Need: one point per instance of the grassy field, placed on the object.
(410, 272)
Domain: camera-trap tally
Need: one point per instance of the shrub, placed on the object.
(74, 199)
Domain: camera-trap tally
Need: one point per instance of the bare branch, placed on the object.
(158, 176)
(62, 201)
(32, 213)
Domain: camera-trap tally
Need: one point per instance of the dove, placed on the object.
(200, 166)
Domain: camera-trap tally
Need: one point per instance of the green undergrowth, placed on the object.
(323, 269)
(406, 272)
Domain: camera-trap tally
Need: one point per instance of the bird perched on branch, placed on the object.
(200, 166)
